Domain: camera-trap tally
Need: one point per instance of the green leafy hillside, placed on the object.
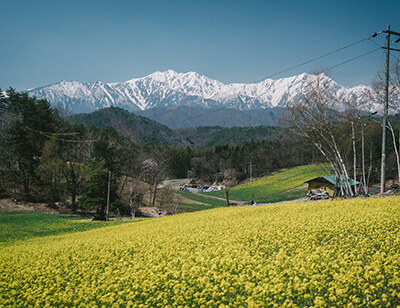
(21, 226)
(137, 128)
(142, 129)
(281, 186)
(219, 136)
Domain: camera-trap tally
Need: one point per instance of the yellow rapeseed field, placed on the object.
(324, 254)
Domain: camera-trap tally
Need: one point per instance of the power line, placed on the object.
(332, 67)
(375, 43)
(195, 117)
(355, 58)
(168, 111)
(288, 69)
(393, 56)
(314, 59)
(52, 136)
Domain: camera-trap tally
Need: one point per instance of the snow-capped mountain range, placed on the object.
(169, 88)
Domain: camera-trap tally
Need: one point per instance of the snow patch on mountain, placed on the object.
(169, 88)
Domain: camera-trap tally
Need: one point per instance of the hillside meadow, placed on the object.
(343, 253)
(21, 226)
(280, 186)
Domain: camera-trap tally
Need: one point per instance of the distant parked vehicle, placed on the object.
(372, 190)
(210, 189)
(184, 189)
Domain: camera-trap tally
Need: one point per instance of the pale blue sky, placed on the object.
(46, 41)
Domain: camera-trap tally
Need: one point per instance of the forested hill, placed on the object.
(211, 136)
(139, 129)
(143, 130)
(186, 116)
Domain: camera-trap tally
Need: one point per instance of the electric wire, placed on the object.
(372, 41)
(302, 64)
(195, 117)
(52, 136)
(165, 112)
(391, 54)
(329, 68)
(355, 58)
(314, 59)
(270, 76)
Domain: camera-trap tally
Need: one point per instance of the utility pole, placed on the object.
(385, 112)
(386, 104)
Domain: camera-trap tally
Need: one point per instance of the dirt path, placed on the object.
(174, 183)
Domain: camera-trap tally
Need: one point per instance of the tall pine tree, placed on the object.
(22, 135)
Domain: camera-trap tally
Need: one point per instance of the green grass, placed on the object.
(209, 202)
(292, 194)
(282, 186)
(21, 226)
(194, 207)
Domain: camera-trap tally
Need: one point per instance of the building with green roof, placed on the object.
(328, 183)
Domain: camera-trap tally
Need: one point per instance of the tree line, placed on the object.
(334, 127)
(46, 158)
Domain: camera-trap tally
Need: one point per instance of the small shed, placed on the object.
(327, 183)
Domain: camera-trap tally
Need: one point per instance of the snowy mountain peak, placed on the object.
(170, 88)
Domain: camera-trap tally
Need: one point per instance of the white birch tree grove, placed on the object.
(378, 95)
(314, 116)
(396, 149)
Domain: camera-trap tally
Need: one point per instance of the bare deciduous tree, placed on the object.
(169, 200)
(153, 172)
(135, 197)
(150, 175)
(314, 116)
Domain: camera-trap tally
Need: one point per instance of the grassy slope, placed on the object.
(22, 226)
(282, 186)
(323, 254)
(207, 202)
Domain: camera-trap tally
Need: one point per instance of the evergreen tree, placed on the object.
(96, 194)
(28, 121)
(50, 173)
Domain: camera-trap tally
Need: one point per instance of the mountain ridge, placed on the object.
(172, 89)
